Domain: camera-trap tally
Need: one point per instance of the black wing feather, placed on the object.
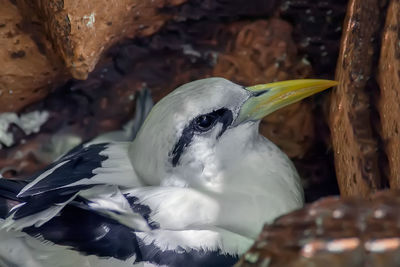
(81, 163)
(94, 234)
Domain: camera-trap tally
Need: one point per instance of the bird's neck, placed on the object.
(261, 184)
(250, 182)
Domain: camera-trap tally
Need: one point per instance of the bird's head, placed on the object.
(194, 135)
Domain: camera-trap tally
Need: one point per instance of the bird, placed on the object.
(194, 187)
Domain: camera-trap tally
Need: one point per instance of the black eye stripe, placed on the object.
(222, 115)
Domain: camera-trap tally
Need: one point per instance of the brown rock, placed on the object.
(27, 70)
(81, 30)
(332, 232)
(354, 145)
(389, 82)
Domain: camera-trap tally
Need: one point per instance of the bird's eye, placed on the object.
(204, 122)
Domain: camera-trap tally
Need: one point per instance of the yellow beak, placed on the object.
(266, 98)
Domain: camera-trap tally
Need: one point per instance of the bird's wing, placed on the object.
(93, 172)
(104, 163)
(9, 190)
(210, 246)
(106, 200)
(83, 226)
(94, 234)
(94, 240)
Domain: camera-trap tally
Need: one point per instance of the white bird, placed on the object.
(193, 189)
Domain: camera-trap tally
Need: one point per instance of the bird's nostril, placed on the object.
(261, 92)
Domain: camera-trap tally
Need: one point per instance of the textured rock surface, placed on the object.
(354, 144)
(28, 69)
(332, 232)
(81, 30)
(389, 83)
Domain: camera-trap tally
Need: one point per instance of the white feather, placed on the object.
(207, 239)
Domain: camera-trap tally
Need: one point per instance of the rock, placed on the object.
(81, 31)
(28, 69)
(354, 143)
(389, 83)
(332, 232)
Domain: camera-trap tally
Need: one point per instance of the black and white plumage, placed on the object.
(193, 189)
(97, 224)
